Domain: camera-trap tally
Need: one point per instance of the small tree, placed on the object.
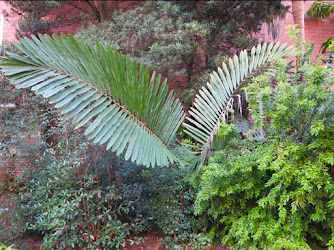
(158, 34)
(235, 23)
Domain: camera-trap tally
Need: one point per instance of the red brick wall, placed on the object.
(316, 29)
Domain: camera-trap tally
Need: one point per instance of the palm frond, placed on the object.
(212, 103)
(123, 105)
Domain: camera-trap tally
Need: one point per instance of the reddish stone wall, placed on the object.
(70, 12)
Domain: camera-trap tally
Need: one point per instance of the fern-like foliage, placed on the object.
(123, 105)
(212, 104)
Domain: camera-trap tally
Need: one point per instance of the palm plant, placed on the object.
(123, 105)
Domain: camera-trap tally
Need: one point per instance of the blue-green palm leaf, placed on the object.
(123, 105)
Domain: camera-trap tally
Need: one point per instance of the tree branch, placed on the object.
(95, 10)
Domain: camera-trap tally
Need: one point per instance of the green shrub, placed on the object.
(61, 199)
(277, 192)
(21, 141)
(157, 34)
(172, 209)
(78, 194)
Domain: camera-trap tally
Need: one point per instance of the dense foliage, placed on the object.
(62, 198)
(182, 37)
(270, 192)
(157, 34)
(321, 9)
(42, 158)
(79, 194)
(234, 24)
(277, 192)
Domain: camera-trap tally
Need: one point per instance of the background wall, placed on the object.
(316, 29)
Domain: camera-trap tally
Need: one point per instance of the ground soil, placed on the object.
(152, 242)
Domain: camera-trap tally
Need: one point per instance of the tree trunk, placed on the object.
(190, 70)
(106, 9)
(298, 17)
(96, 11)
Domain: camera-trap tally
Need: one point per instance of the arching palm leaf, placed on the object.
(125, 107)
(211, 105)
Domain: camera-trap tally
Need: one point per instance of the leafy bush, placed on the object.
(157, 34)
(320, 9)
(172, 209)
(60, 198)
(21, 140)
(277, 192)
(78, 194)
